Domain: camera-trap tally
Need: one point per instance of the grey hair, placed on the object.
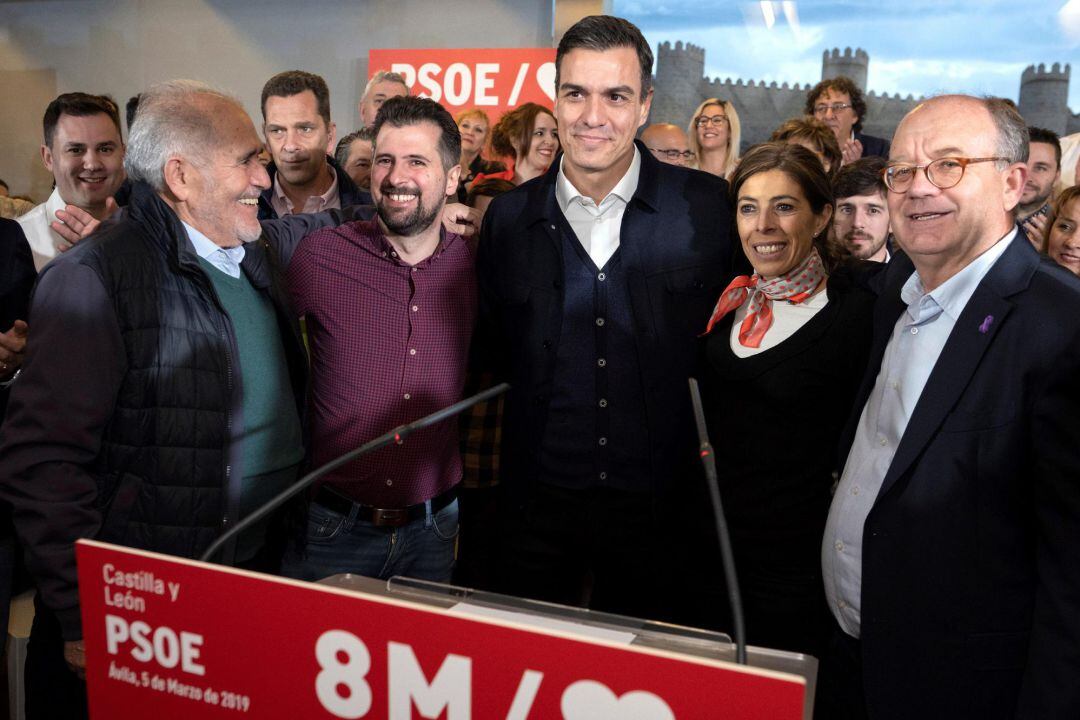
(384, 76)
(1013, 138)
(170, 122)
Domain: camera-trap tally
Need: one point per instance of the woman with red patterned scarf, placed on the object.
(784, 353)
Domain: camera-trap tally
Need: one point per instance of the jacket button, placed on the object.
(547, 344)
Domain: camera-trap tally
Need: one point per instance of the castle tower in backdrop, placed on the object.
(681, 85)
(851, 65)
(1044, 97)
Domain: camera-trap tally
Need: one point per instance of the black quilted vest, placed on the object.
(168, 473)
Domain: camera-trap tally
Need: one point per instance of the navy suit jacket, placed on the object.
(677, 248)
(971, 552)
(873, 146)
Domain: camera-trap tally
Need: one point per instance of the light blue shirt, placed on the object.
(916, 343)
(227, 260)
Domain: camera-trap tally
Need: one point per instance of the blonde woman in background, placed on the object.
(715, 134)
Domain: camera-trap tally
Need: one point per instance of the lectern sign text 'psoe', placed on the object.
(492, 79)
(171, 638)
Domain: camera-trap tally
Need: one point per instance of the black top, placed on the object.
(775, 418)
(17, 275)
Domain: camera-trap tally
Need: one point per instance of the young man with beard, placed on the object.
(298, 132)
(390, 305)
(1044, 170)
(861, 221)
(84, 152)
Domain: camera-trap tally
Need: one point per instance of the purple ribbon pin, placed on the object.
(986, 323)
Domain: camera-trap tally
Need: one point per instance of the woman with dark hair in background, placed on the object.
(529, 137)
(784, 353)
(715, 134)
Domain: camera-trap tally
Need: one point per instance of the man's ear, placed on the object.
(331, 138)
(47, 157)
(1015, 177)
(452, 177)
(179, 177)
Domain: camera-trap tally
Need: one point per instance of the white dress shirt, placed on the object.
(597, 227)
(916, 343)
(45, 242)
(227, 260)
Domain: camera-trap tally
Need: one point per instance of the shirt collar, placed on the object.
(565, 192)
(952, 295)
(324, 199)
(206, 248)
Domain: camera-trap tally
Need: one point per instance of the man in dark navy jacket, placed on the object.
(950, 553)
(596, 279)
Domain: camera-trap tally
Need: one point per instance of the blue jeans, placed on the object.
(336, 543)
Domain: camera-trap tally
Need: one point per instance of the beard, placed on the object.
(406, 223)
(867, 251)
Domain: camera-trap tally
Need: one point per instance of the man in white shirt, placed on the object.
(84, 151)
(949, 557)
(596, 279)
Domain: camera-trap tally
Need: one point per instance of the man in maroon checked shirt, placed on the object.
(390, 306)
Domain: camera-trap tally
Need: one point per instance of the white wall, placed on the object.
(121, 46)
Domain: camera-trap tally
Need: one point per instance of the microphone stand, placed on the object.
(708, 461)
(397, 435)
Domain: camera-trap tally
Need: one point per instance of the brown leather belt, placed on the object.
(331, 499)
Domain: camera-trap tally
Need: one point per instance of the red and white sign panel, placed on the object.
(171, 638)
(492, 79)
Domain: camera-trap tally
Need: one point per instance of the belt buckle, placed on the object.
(389, 517)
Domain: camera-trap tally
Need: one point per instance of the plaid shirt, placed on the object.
(481, 434)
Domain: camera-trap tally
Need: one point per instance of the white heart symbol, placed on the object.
(545, 78)
(590, 700)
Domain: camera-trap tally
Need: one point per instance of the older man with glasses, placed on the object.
(949, 555)
(668, 143)
(839, 103)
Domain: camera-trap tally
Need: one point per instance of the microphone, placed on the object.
(708, 461)
(397, 435)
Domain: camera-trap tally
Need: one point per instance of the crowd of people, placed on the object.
(884, 332)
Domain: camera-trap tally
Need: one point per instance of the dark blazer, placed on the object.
(873, 146)
(17, 275)
(349, 194)
(971, 576)
(676, 245)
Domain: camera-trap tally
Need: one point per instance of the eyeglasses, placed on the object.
(703, 120)
(942, 173)
(835, 107)
(674, 154)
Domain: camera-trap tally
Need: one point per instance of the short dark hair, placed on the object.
(131, 109)
(811, 129)
(294, 82)
(78, 104)
(406, 110)
(604, 32)
(806, 170)
(843, 85)
(341, 152)
(1049, 137)
(514, 129)
(862, 177)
